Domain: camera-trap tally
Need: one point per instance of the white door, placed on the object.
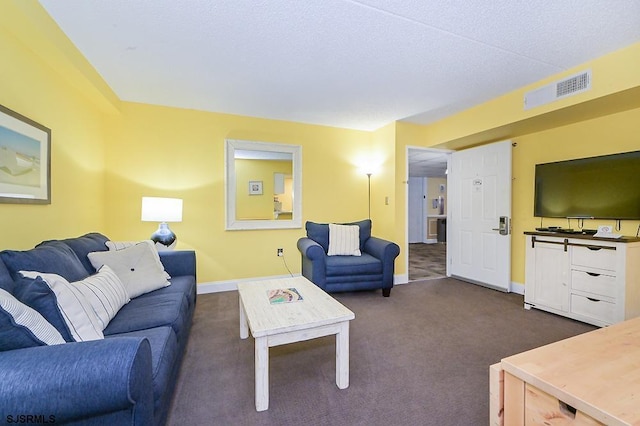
(417, 194)
(479, 241)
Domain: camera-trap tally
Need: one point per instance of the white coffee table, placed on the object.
(317, 315)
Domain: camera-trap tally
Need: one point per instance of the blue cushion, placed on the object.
(22, 326)
(82, 246)
(6, 282)
(54, 258)
(185, 285)
(361, 282)
(353, 265)
(36, 294)
(319, 232)
(151, 310)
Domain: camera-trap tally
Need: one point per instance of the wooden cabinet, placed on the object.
(589, 379)
(585, 278)
(543, 409)
(526, 405)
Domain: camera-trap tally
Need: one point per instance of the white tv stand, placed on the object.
(594, 280)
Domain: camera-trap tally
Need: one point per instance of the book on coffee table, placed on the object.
(283, 295)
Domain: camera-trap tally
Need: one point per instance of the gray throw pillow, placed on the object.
(136, 266)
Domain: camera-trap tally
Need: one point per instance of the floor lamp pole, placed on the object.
(369, 182)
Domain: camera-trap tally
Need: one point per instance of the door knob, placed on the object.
(503, 226)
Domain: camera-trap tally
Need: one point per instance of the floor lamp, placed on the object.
(369, 179)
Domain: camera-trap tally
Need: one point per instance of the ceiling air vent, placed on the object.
(569, 86)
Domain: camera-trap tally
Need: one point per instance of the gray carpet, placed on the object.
(419, 357)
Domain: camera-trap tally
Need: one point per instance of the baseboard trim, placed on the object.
(400, 279)
(517, 288)
(232, 285)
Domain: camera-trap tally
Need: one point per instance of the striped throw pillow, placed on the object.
(78, 314)
(344, 240)
(105, 292)
(22, 326)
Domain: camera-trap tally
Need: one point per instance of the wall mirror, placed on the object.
(263, 185)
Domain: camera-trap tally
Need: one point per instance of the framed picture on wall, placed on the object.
(25, 159)
(255, 187)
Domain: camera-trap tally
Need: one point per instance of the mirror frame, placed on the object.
(231, 145)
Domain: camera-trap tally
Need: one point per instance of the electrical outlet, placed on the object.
(280, 252)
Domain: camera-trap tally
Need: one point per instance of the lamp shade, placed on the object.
(155, 209)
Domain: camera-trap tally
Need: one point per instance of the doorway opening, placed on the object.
(427, 213)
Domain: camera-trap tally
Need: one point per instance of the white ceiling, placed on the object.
(345, 63)
(427, 162)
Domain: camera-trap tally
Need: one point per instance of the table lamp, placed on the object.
(163, 210)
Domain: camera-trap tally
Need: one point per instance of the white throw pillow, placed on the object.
(344, 240)
(121, 245)
(105, 292)
(29, 320)
(136, 266)
(76, 310)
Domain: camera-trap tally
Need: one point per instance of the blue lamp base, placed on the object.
(164, 237)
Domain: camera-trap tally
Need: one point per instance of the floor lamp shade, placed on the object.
(163, 210)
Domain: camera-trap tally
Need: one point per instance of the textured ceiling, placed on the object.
(352, 64)
(427, 162)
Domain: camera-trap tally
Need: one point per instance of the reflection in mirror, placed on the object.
(263, 173)
(264, 185)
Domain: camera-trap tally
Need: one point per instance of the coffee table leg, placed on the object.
(244, 328)
(262, 373)
(342, 356)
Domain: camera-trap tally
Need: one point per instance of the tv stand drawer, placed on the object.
(596, 309)
(594, 256)
(590, 282)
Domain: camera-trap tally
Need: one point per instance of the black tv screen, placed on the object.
(605, 187)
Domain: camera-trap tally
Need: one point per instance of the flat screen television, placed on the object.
(604, 187)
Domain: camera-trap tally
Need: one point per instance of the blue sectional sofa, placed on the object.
(127, 377)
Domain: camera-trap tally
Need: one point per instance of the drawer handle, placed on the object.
(593, 300)
(593, 274)
(567, 409)
(594, 248)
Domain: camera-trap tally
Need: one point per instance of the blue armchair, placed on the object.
(372, 270)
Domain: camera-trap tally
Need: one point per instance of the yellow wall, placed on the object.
(161, 151)
(31, 86)
(380, 160)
